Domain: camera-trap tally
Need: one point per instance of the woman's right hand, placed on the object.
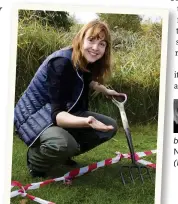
(97, 125)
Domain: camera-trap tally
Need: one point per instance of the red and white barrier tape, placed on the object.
(75, 173)
(147, 163)
(23, 193)
(92, 167)
(139, 155)
(33, 186)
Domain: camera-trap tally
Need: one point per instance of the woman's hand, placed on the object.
(97, 125)
(110, 93)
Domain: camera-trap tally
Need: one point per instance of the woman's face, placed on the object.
(93, 48)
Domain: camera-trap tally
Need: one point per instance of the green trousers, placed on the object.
(56, 144)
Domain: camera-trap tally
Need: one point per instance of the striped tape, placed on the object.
(147, 163)
(23, 193)
(68, 177)
(138, 155)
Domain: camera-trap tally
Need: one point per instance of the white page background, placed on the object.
(170, 175)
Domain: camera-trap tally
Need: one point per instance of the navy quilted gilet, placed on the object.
(33, 111)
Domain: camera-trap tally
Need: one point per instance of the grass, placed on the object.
(101, 186)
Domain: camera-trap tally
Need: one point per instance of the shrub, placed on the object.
(56, 19)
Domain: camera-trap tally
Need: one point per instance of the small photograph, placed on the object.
(175, 125)
(86, 107)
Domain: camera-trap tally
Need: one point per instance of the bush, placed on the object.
(56, 19)
(138, 61)
(125, 21)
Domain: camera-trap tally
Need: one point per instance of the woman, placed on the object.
(52, 115)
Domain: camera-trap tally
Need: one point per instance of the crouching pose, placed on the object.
(52, 115)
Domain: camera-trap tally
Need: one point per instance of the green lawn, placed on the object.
(101, 186)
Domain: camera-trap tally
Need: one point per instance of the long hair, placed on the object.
(102, 67)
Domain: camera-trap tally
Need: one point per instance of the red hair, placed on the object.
(102, 67)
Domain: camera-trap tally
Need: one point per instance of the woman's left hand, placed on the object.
(109, 93)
